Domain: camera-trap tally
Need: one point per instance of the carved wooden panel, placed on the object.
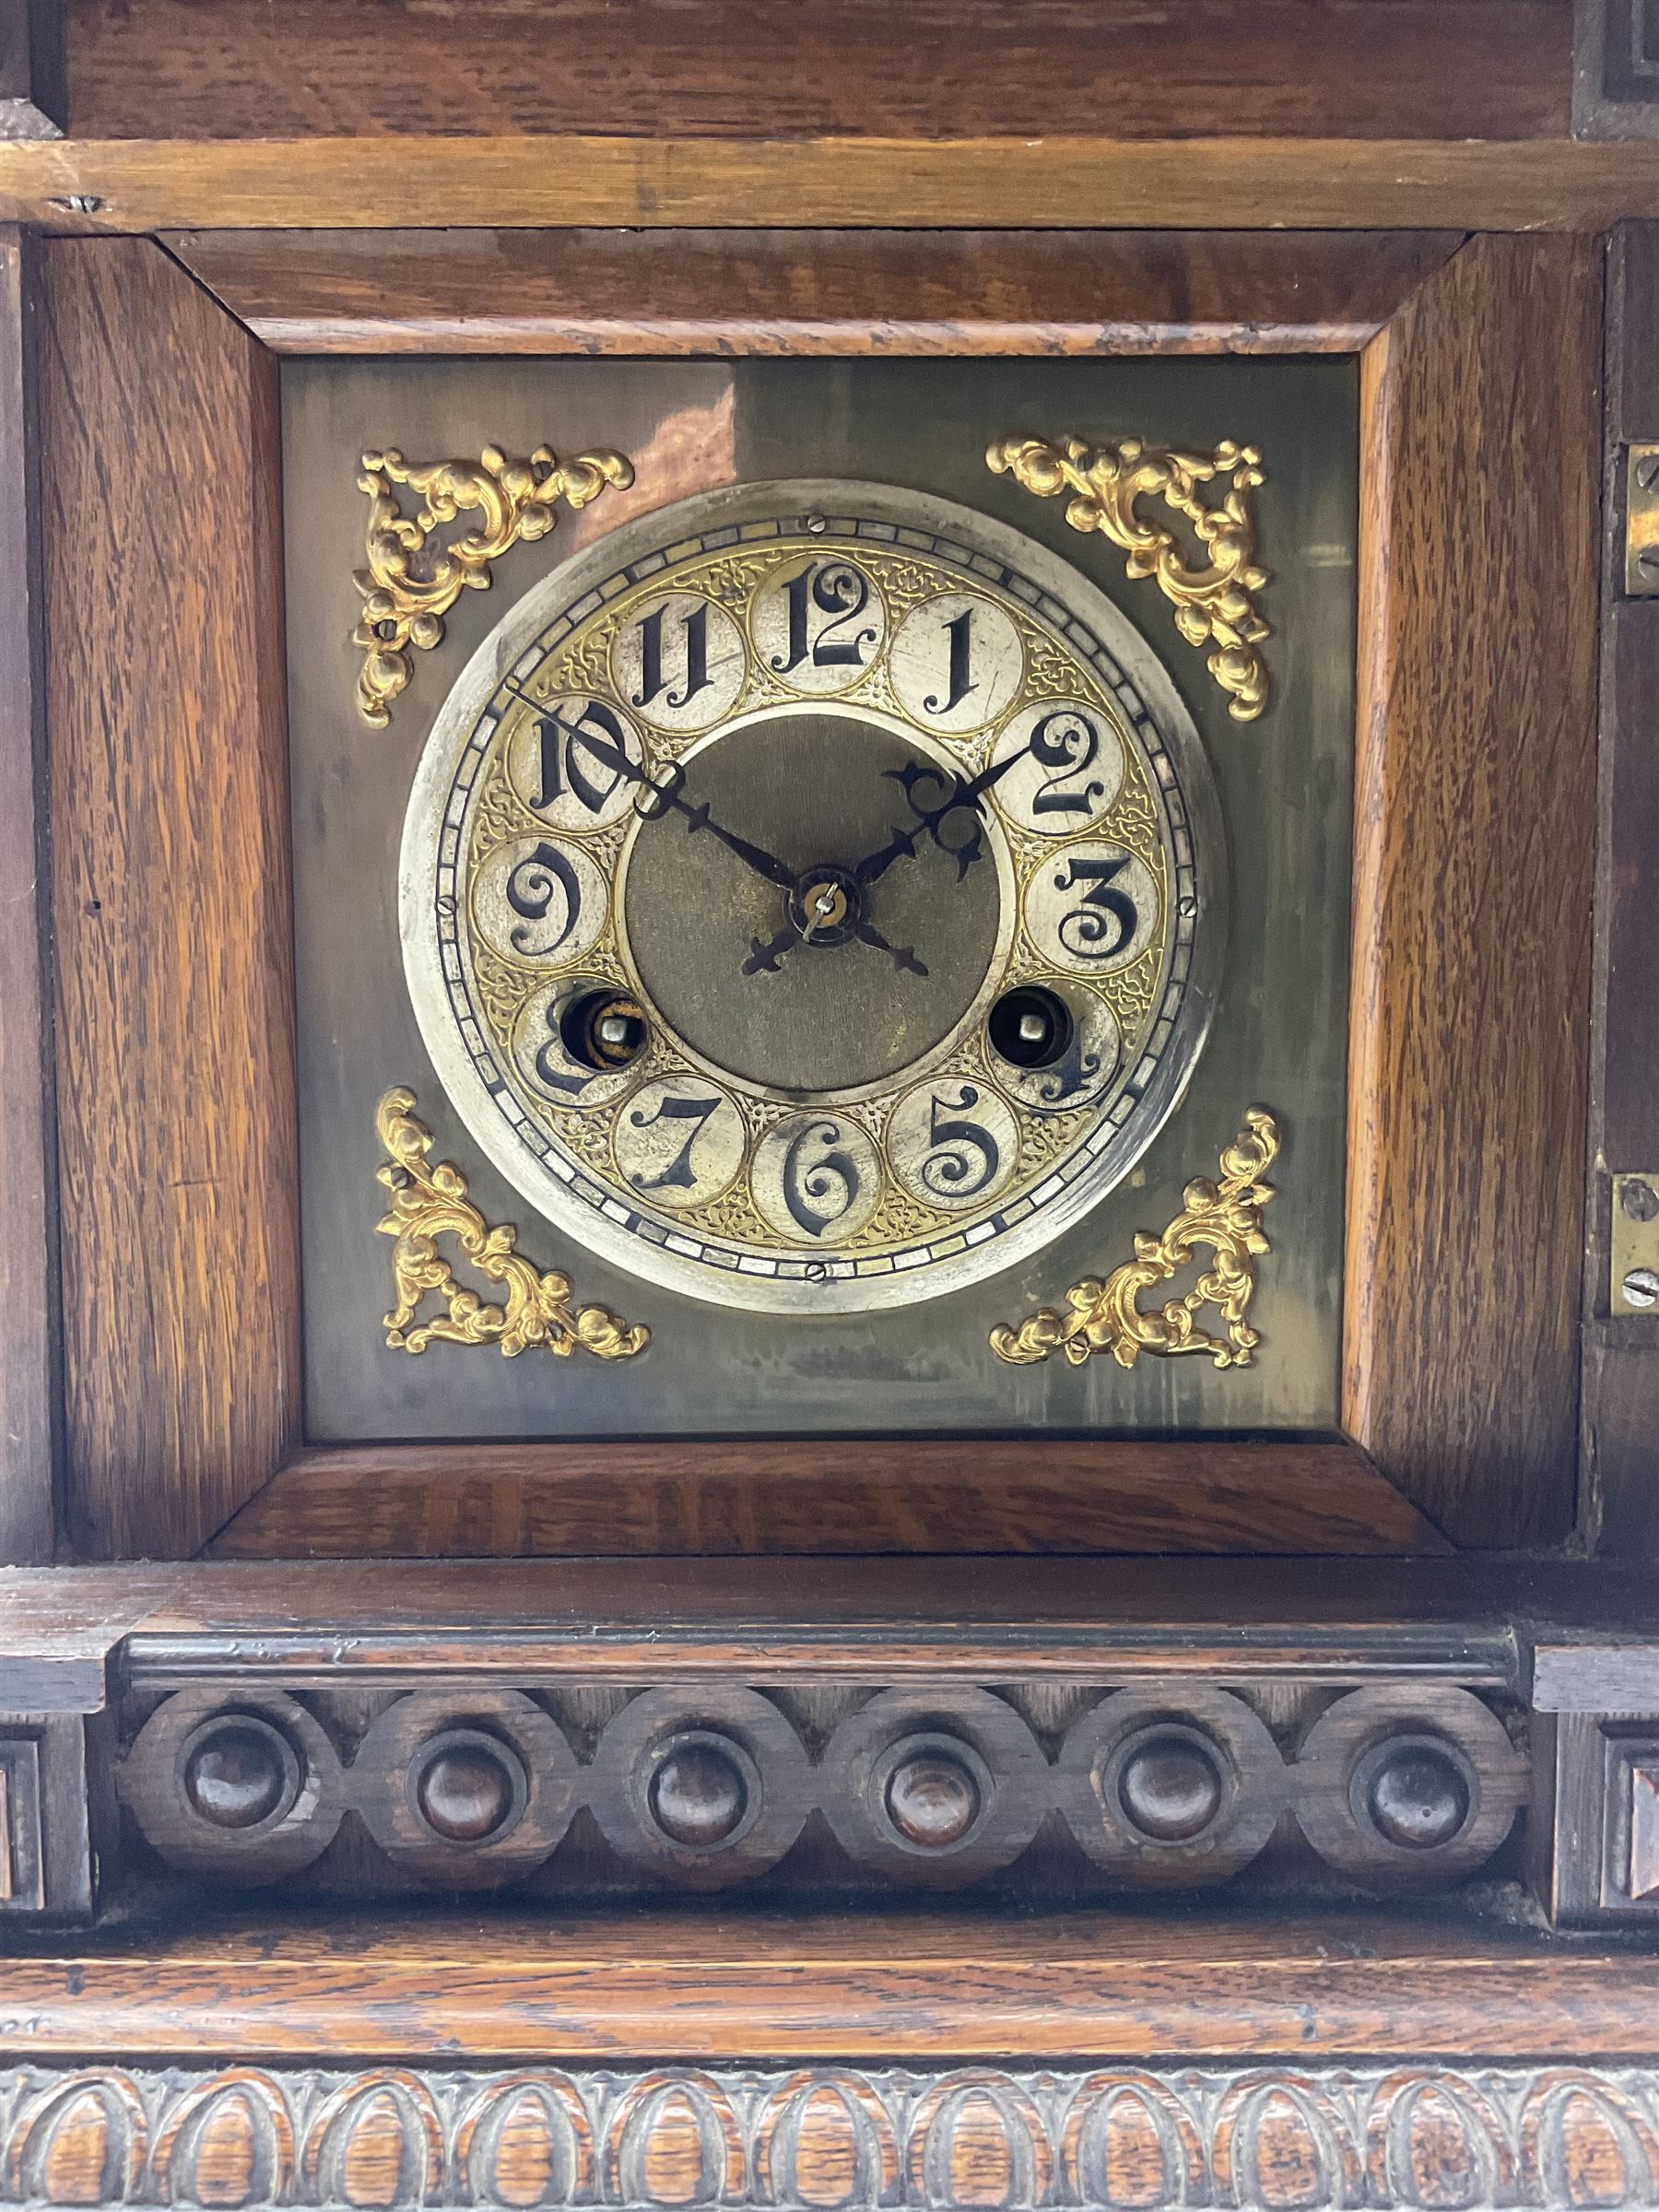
(45, 1837)
(1615, 69)
(1602, 1771)
(583, 1789)
(1274, 2136)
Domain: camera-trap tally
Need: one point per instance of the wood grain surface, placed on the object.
(824, 292)
(169, 829)
(1058, 182)
(895, 1986)
(858, 1495)
(1621, 1434)
(1474, 851)
(29, 1295)
(945, 68)
(1590, 1676)
(1283, 2134)
(1467, 1617)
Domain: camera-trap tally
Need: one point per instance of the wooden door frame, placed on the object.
(1431, 1411)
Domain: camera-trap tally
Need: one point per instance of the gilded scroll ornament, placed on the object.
(515, 498)
(431, 1202)
(1213, 603)
(1106, 1316)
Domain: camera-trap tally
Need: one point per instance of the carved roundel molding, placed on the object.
(703, 1786)
(465, 1790)
(1167, 1783)
(1177, 1785)
(1408, 1782)
(939, 1786)
(245, 1790)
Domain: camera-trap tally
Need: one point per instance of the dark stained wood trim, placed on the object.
(936, 68)
(895, 1986)
(1474, 851)
(823, 292)
(1055, 182)
(175, 1016)
(855, 1495)
(29, 1284)
(1465, 1618)
(1620, 1511)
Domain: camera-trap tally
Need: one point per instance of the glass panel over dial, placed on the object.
(810, 896)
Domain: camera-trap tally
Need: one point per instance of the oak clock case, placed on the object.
(755, 475)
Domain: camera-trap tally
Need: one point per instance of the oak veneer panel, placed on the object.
(1474, 854)
(894, 1985)
(169, 818)
(1390, 68)
(28, 1168)
(1620, 1415)
(515, 1501)
(823, 292)
(1053, 183)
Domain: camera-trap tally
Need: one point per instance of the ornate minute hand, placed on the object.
(902, 844)
(668, 799)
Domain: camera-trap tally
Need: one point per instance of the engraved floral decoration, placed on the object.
(515, 500)
(431, 1202)
(1213, 603)
(1106, 1316)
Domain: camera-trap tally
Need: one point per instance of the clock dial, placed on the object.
(809, 894)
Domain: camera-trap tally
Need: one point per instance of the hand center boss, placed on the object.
(906, 836)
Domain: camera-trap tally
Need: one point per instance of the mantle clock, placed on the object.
(830, 1188)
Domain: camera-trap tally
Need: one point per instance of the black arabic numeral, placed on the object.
(530, 889)
(1060, 753)
(794, 592)
(1083, 931)
(563, 743)
(680, 1174)
(832, 1181)
(964, 1156)
(549, 1058)
(959, 631)
(694, 633)
(839, 590)
(1073, 1072)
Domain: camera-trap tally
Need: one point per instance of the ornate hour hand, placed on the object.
(930, 821)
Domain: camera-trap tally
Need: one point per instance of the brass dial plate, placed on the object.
(818, 1123)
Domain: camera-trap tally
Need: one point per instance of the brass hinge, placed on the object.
(1642, 521)
(1634, 1245)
